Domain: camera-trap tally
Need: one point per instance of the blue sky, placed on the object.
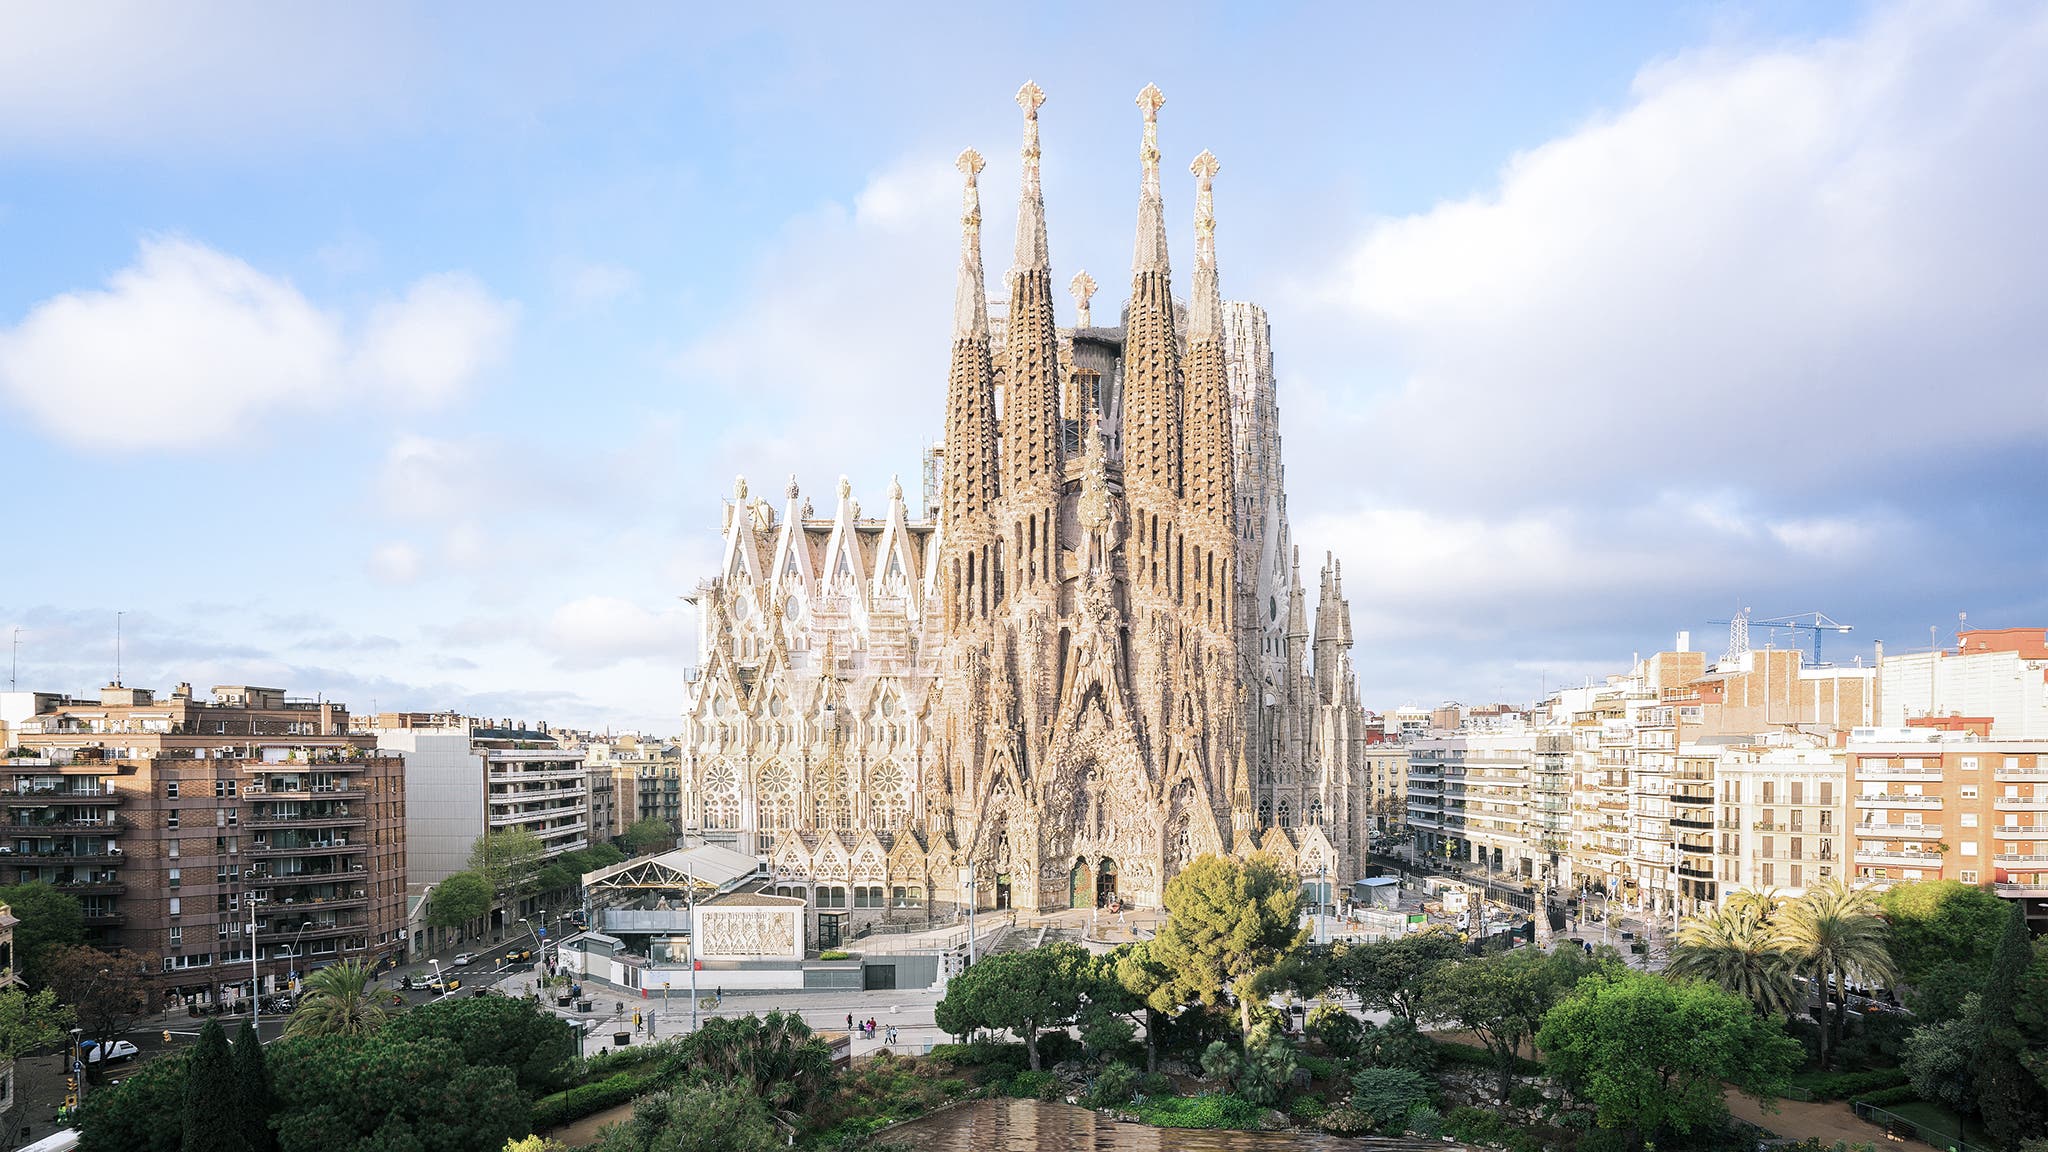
(404, 355)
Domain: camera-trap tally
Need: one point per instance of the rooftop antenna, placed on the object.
(14, 661)
(1738, 636)
(117, 648)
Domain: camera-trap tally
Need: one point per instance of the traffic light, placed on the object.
(71, 1083)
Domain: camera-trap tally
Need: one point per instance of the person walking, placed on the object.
(849, 1022)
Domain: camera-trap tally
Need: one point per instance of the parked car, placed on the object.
(95, 1052)
(461, 958)
(518, 955)
(443, 986)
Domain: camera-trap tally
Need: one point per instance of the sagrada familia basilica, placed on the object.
(1089, 664)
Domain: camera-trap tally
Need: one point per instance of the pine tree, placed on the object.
(254, 1102)
(211, 1123)
(2012, 1099)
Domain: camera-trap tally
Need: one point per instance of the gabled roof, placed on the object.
(706, 867)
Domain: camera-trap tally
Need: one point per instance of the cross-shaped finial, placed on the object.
(1150, 100)
(1205, 166)
(970, 163)
(1029, 97)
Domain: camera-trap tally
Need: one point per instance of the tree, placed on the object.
(537, 1047)
(1502, 998)
(1228, 923)
(31, 1020)
(2010, 1024)
(1018, 992)
(1943, 933)
(254, 1100)
(563, 875)
(1941, 1058)
(49, 918)
(775, 1058)
(377, 1093)
(1390, 975)
(338, 1001)
(509, 860)
(108, 989)
(694, 1118)
(1834, 936)
(211, 1123)
(1651, 1054)
(462, 898)
(644, 837)
(1738, 952)
(143, 1113)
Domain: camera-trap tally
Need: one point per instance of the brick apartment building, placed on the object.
(176, 821)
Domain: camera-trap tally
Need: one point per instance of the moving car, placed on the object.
(95, 1051)
(461, 958)
(518, 955)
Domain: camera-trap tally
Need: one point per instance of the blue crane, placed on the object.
(1797, 622)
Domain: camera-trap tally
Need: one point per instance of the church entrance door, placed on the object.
(1077, 885)
(1105, 882)
(1002, 891)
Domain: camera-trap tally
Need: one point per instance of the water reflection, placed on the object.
(1032, 1126)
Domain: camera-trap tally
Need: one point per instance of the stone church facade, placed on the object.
(1090, 662)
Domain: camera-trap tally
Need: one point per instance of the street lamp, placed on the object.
(438, 978)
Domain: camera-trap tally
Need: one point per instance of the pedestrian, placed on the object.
(849, 1022)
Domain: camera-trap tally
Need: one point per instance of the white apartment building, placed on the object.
(1783, 817)
(1997, 675)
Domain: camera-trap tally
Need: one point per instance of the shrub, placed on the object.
(1336, 1027)
(1318, 1067)
(1385, 1096)
(1210, 1110)
(589, 1099)
(834, 954)
(1885, 1097)
(1345, 1122)
(1154, 1084)
(1848, 1085)
(990, 1054)
(1398, 1044)
(1526, 1096)
(1475, 1126)
(1033, 1086)
(1056, 1046)
(1308, 1108)
(1113, 1086)
(1425, 1122)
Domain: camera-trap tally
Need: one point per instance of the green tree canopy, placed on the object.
(49, 918)
(1834, 935)
(338, 1001)
(462, 898)
(1740, 953)
(694, 1118)
(1651, 1054)
(564, 873)
(211, 1096)
(145, 1113)
(1228, 923)
(2012, 1025)
(1941, 1058)
(509, 860)
(537, 1047)
(1943, 933)
(31, 1020)
(107, 989)
(1501, 998)
(1390, 975)
(378, 1093)
(774, 1058)
(647, 836)
(254, 1101)
(1385, 1097)
(1018, 992)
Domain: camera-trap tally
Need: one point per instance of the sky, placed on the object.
(403, 354)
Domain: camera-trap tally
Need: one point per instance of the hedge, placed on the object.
(1848, 1085)
(573, 1104)
(1211, 1110)
(1902, 1094)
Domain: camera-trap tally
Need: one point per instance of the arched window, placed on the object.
(889, 798)
(721, 798)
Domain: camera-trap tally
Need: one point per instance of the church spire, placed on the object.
(1205, 311)
(1208, 461)
(1152, 386)
(970, 486)
(1031, 455)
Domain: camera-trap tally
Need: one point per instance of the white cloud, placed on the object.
(595, 285)
(604, 629)
(395, 562)
(1804, 247)
(189, 346)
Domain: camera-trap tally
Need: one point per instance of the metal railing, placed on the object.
(1898, 1127)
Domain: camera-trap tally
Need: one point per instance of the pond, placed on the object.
(1033, 1126)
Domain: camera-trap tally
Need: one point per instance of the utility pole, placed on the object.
(117, 646)
(255, 977)
(14, 662)
(971, 902)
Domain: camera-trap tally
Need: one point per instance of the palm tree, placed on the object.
(1834, 935)
(1739, 953)
(1759, 904)
(338, 1002)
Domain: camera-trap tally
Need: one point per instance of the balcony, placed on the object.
(2024, 859)
(2021, 888)
(337, 820)
(1693, 871)
(68, 855)
(537, 795)
(104, 918)
(1866, 772)
(309, 904)
(1899, 831)
(2020, 774)
(1924, 803)
(1909, 859)
(2017, 804)
(2021, 831)
(309, 792)
(90, 887)
(333, 848)
(285, 935)
(1697, 823)
(44, 797)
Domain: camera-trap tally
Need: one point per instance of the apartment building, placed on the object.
(209, 834)
(1694, 822)
(1783, 811)
(1469, 800)
(1999, 675)
(1386, 781)
(646, 779)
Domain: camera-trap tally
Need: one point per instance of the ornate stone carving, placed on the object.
(748, 933)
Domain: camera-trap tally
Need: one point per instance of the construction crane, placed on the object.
(1738, 628)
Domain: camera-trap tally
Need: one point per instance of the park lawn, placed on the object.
(1938, 1125)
